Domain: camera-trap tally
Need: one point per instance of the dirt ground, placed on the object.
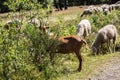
(108, 71)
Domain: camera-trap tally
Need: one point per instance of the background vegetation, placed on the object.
(5, 4)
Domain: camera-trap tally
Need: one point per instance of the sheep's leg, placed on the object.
(89, 31)
(114, 43)
(98, 51)
(101, 49)
(80, 60)
(108, 44)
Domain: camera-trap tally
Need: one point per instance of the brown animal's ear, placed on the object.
(45, 27)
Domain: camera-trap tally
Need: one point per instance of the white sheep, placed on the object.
(84, 28)
(106, 8)
(86, 12)
(106, 11)
(91, 6)
(91, 10)
(99, 9)
(115, 6)
(14, 22)
(104, 35)
(35, 22)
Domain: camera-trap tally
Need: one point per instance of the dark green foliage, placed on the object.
(3, 8)
(88, 2)
(13, 5)
(14, 55)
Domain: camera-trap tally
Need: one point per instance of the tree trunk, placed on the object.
(56, 4)
(60, 4)
(65, 4)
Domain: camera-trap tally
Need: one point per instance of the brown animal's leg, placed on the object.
(80, 60)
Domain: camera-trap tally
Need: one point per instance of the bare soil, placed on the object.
(108, 71)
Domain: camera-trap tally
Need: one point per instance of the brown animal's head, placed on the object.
(45, 28)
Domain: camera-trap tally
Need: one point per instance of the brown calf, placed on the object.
(69, 44)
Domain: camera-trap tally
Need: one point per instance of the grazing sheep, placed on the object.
(84, 28)
(105, 6)
(86, 12)
(99, 9)
(104, 35)
(40, 24)
(10, 23)
(114, 7)
(106, 9)
(91, 6)
(90, 10)
(35, 22)
(66, 45)
(95, 10)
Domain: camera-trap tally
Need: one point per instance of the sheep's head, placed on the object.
(94, 49)
(80, 31)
